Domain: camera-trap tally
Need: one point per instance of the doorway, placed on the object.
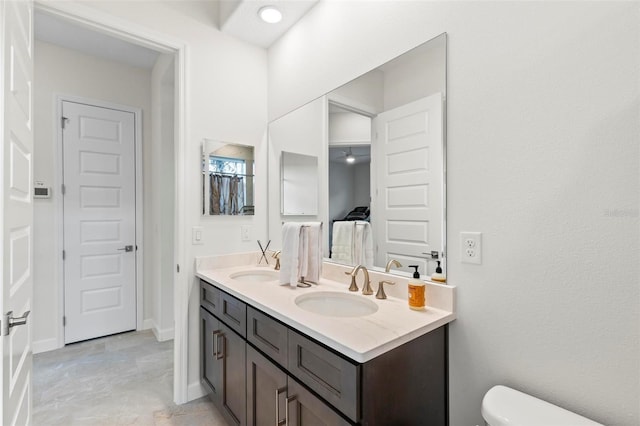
(173, 150)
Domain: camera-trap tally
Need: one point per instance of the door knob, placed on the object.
(126, 248)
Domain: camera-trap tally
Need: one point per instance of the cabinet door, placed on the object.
(305, 409)
(232, 383)
(210, 371)
(266, 387)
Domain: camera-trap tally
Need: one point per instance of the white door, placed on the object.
(16, 126)
(407, 156)
(99, 221)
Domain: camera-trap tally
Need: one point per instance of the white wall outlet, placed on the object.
(245, 232)
(196, 235)
(471, 247)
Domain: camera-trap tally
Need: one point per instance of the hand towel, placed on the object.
(289, 265)
(342, 244)
(363, 244)
(313, 242)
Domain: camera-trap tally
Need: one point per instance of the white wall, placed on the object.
(226, 99)
(543, 104)
(63, 71)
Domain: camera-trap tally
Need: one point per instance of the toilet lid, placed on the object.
(503, 406)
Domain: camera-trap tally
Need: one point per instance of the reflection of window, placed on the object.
(228, 185)
(233, 166)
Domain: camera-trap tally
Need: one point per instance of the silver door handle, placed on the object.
(126, 248)
(278, 392)
(10, 321)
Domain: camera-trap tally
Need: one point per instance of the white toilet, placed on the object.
(503, 406)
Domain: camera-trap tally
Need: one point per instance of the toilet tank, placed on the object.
(503, 406)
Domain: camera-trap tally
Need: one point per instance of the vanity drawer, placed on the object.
(233, 312)
(332, 377)
(268, 335)
(209, 297)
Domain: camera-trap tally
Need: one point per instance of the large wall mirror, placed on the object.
(227, 178)
(380, 144)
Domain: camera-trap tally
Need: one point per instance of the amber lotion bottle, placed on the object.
(416, 291)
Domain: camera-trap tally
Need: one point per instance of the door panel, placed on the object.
(99, 221)
(234, 394)
(266, 387)
(16, 121)
(407, 203)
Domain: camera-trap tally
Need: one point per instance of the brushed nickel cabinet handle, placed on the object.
(278, 392)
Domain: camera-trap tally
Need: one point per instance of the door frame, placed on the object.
(132, 32)
(139, 213)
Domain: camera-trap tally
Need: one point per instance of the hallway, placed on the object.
(124, 379)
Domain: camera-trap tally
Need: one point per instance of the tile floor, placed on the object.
(125, 379)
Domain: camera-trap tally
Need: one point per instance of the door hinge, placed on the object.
(63, 122)
(64, 254)
(64, 321)
(178, 268)
(63, 189)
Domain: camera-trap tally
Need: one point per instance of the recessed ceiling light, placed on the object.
(270, 14)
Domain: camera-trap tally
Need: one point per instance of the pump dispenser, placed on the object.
(416, 291)
(438, 276)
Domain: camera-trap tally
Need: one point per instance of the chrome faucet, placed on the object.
(390, 263)
(366, 288)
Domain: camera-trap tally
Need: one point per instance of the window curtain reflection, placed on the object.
(226, 195)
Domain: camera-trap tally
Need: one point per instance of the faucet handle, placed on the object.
(353, 286)
(381, 294)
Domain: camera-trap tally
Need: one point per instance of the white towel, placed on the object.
(363, 244)
(342, 244)
(289, 255)
(313, 242)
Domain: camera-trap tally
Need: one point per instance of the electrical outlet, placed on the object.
(471, 247)
(245, 232)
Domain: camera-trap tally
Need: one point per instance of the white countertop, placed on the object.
(359, 338)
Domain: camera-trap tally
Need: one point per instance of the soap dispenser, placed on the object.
(416, 290)
(438, 276)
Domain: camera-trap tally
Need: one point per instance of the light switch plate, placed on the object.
(197, 235)
(471, 247)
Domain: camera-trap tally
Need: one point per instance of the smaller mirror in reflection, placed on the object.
(227, 178)
(299, 184)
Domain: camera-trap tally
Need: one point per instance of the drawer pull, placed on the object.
(220, 353)
(278, 392)
(286, 411)
(215, 334)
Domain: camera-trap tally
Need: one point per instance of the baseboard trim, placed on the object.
(44, 345)
(148, 324)
(195, 391)
(163, 335)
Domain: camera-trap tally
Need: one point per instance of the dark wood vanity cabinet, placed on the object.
(259, 371)
(223, 360)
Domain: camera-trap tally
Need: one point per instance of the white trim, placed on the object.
(44, 345)
(351, 105)
(139, 216)
(196, 390)
(161, 335)
(135, 33)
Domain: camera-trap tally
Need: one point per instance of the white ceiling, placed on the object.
(51, 29)
(240, 19)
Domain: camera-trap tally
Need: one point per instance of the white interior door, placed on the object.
(99, 221)
(16, 124)
(407, 215)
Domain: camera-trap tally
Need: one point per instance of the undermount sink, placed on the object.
(255, 275)
(334, 304)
